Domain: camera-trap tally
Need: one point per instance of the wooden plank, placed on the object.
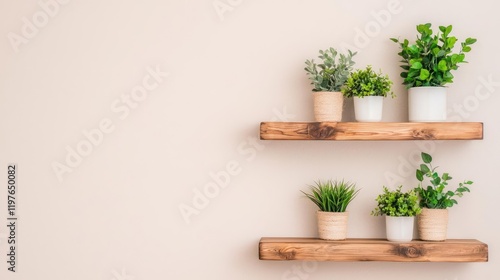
(313, 249)
(344, 131)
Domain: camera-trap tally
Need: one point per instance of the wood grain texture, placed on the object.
(343, 131)
(313, 249)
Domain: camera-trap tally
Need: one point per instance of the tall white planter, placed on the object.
(399, 229)
(368, 108)
(427, 104)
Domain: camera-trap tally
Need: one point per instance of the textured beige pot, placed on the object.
(332, 225)
(328, 106)
(433, 224)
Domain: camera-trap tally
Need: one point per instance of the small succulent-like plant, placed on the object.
(430, 60)
(332, 73)
(332, 196)
(397, 203)
(367, 82)
(434, 196)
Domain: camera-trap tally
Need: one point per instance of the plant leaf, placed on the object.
(426, 157)
(424, 74)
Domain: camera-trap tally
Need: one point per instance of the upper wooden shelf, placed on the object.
(313, 249)
(344, 131)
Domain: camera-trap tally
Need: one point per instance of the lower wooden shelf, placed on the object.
(313, 249)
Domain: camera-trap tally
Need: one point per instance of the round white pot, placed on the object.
(368, 108)
(427, 104)
(399, 229)
(328, 106)
(432, 224)
(332, 225)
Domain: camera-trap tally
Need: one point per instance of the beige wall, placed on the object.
(98, 68)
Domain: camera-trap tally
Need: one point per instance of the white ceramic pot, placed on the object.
(432, 224)
(399, 229)
(332, 225)
(427, 104)
(368, 108)
(328, 106)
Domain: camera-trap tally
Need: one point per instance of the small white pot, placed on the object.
(368, 108)
(399, 229)
(427, 104)
(332, 225)
(328, 106)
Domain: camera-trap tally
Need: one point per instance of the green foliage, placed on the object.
(431, 59)
(332, 196)
(434, 196)
(397, 203)
(332, 73)
(366, 82)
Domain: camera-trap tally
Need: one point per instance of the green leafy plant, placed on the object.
(332, 196)
(397, 203)
(332, 73)
(430, 60)
(361, 83)
(434, 196)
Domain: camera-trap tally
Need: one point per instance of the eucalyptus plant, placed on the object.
(367, 82)
(332, 196)
(434, 196)
(397, 203)
(332, 72)
(431, 59)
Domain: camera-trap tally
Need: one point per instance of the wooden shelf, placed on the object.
(344, 131)
(313, 249)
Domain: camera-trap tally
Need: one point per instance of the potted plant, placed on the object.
(400, 209)
(327, 79)
(434, 200)
(368, 90)
(428, 66)
(332, 199)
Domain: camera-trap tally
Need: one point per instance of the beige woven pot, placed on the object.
(433, 224)
(328, 106)
(332, 225)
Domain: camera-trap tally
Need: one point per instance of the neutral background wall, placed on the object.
(116, 212)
